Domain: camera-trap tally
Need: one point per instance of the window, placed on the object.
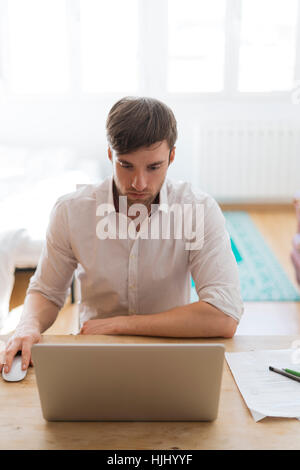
(268, 45)
(109, 40)
(196, 45)
(37, 46)
(158, 47)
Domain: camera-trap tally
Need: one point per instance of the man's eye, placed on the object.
(154, 167)
(124, 165)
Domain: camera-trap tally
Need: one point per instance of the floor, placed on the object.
(277, 224)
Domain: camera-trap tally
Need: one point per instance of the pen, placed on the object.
(286, 374)
(293, 372)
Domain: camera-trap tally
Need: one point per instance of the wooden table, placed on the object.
(23, 426)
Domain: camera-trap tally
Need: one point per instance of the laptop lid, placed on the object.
(129, 382)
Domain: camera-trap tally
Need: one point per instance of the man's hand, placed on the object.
(20, 341)
(105, 326)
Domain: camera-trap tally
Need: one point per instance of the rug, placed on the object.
(261, 276)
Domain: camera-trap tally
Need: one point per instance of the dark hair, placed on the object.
(135, 122)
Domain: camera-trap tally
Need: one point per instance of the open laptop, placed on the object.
(129, 382)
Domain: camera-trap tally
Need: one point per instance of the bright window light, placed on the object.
(268, 44)
(109, 44)
(37, 41)
(196, 44)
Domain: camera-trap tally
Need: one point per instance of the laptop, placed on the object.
(129, 382)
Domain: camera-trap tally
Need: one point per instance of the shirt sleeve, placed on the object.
(214, 268)
(57, 262)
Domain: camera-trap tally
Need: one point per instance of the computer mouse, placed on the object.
(16, 373)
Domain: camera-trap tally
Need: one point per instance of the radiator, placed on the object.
(247, 162)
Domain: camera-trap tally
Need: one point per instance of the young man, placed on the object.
(137, 284)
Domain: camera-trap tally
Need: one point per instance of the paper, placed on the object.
(265, 392)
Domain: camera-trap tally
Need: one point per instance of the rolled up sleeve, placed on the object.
(214, 268)
(57, 262)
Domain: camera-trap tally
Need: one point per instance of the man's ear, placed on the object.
(109, 152)
(172, 155)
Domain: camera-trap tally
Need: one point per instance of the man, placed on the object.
(134, 285)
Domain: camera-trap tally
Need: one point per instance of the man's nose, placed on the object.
(139, 182)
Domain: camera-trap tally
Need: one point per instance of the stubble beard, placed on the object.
(131, 201)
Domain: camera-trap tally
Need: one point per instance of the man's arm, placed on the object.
(195, 320)
(38, 315)
(48, 287)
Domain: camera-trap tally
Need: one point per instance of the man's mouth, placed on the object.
(138, 195)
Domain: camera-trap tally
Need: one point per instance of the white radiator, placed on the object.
(247, 162)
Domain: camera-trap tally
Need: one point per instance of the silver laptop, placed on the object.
(129, 382)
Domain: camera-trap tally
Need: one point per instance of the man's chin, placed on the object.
(146, 202)
(138, 200)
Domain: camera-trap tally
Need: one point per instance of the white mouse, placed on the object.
(16, 373)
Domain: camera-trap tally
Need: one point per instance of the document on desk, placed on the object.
(265, 392)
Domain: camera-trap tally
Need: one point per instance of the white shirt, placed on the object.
(135, 276)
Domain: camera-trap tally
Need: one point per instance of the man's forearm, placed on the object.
(38, 314)
(198, 319)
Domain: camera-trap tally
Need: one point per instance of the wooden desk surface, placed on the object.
(23, 427)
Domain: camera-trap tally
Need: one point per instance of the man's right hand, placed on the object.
(38, 315)
(20, 341)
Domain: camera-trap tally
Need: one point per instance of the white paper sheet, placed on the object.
(265, 392)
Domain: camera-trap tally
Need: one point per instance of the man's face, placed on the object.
(139, 175)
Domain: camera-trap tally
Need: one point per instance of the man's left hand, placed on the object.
(105, 326)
